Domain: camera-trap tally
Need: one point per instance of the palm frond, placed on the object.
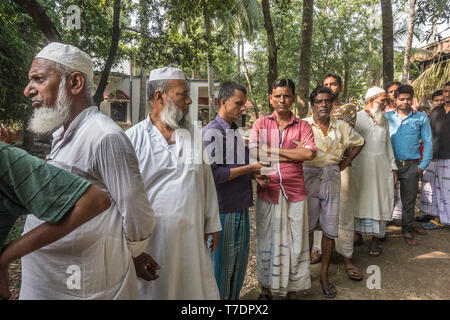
(432, 79)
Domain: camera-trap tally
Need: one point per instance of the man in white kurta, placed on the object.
(373, 172)
(182, 193)
(95, 260)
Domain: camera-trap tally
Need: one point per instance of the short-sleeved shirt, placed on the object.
(330, 149)
(29, 185)
(234, 195)
(440, 128)
(288, 176)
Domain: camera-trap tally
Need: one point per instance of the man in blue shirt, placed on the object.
(407, 127)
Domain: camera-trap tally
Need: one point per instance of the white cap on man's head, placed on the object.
(69, 56)
(166, 73)
(372, 92)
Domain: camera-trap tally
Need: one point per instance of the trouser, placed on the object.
(408, 176)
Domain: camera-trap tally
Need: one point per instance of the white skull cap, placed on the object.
(69, 56)
(373, 92)
(166, 73)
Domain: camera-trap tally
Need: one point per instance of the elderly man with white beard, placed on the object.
(95, 260)
(374, 171)
(181, 188)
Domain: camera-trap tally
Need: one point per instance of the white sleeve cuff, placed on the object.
(137, 247)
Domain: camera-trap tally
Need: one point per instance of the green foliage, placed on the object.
(17, 36)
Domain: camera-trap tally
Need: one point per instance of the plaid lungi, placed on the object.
(370, 227)
(436, 192)
(323, 193)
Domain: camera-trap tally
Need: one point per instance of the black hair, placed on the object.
(283, 82)
(335, 76)
(404, 89)
(317, 90)
(437, 93)
(447, 84)
(390, 84)
(227, 91)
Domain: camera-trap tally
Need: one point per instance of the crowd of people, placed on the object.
(152, 214)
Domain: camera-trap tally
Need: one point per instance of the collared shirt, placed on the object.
(236, 194)
(440, 127)
(288, 176)
(28, 184)
(406, 134)
(182, 192)
(95, 148)
(331, 148)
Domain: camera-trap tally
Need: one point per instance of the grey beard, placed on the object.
(47, 118)
(377, 114)
(173, 117)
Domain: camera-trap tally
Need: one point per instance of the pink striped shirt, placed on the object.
(287, 177)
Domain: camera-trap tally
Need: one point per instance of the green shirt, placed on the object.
(28, 185)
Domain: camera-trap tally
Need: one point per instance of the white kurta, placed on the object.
(184, 199)
(95, 260)
(372, 170)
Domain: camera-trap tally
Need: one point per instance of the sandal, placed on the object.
(316, 257)
(353, 272)
(375, 250)
(263, 296)
(432, 225)
(331, 294)
(419, 230)
(410, 239)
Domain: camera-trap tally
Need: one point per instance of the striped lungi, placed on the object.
(231, 255)
(347, 210)
(370, 227)
(282, 245)
(435, 193)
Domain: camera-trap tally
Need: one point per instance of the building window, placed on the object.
(119, 111)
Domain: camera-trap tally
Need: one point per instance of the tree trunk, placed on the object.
(271, 44)
(247, 78)
(346, 81)
(305, 58)
(41, 19)
(98, 96)
(406, 63)
(142, 95)
(211, 101)
(143, 28)
(388, 41)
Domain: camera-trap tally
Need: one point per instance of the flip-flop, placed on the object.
(353, 273)
(328, 295)
(432, 225)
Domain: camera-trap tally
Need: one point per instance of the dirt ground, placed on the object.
(407, 272)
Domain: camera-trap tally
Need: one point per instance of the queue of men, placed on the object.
(156, 213)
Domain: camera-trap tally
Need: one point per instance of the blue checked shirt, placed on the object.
(406, 134)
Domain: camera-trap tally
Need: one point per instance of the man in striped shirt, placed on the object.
(29, 185)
